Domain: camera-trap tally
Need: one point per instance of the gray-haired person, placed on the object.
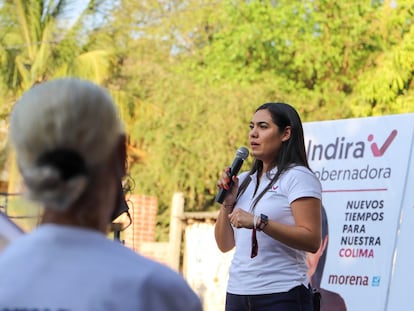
(70, 147)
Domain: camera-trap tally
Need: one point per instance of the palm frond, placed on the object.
(93, 65)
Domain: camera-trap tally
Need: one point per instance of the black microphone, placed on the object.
(241, 155)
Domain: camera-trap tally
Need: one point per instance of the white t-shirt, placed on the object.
(277, 267)
(68, 268)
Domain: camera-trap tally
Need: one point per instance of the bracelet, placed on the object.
(255, 217)
(229, 206)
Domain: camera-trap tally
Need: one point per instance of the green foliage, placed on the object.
(38, 45)
(387, 88)
(313, 48)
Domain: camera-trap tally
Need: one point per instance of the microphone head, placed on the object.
(242, 152)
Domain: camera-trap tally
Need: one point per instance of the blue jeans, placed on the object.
(298, 298)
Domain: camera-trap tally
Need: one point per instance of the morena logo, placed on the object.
(342, 149)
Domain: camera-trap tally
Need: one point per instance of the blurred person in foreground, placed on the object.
(70, 147)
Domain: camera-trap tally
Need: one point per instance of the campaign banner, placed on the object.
(363, 165)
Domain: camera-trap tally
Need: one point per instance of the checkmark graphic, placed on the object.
(379, 151)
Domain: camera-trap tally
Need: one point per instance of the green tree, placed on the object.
(387, 86)
(314, 49)
(39, 42)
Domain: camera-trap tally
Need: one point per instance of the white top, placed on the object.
(277, 267)
(68, 268)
